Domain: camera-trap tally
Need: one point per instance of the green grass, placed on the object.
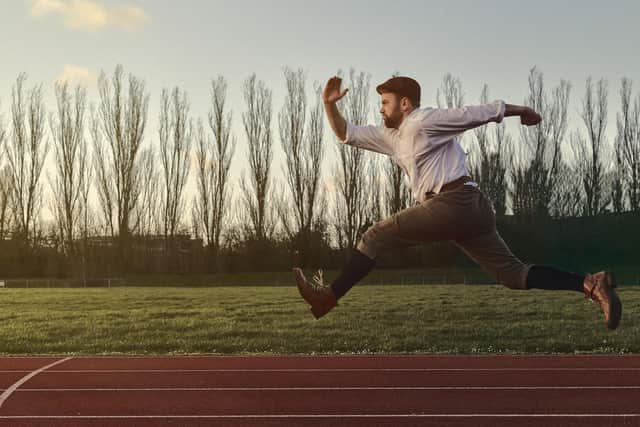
(370, 319)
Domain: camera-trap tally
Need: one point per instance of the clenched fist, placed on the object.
(529, 117)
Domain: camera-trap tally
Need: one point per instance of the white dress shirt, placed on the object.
(425, 145)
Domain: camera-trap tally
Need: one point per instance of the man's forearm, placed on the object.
(337, 122)
(514, 110)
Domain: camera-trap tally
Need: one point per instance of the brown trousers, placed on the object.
(464, 216)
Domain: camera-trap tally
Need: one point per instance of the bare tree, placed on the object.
(567, 200)
(85, 178)
(175, 134)
(489, 165)
(71, 161)
(628, 146)
(301, 140)
(123, 118)
(451, 92)
(104, 180)
(315, 137)
(225, 145)
(589, 151)
(257, 125)
(291, 121)
(352, 196)
(202, 208)
(213, 157)
(535, 172)
(26, 154)
(5, 195)
(3, 134)
(618, 178)
(4, 185)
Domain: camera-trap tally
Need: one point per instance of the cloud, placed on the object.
(130, 18)
(43, 7)
(76, 74)
(90, 15)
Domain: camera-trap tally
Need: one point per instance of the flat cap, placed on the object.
(402, 86)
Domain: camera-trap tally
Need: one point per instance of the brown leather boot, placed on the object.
(319, 296)
(598, 288)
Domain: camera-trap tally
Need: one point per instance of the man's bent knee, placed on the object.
(383, 235)
(366, 249)
(369, 244)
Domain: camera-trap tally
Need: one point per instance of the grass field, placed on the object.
(370, 319)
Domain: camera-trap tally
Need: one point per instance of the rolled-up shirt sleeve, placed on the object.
(372, 138)
(453, 121)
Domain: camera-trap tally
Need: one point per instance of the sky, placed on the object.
(188, 43)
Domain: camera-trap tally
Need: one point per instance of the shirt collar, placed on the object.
(412, 113)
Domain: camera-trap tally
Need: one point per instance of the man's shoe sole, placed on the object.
(317, 313)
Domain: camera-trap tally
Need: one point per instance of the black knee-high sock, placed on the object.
(550, 278)
(359, 265)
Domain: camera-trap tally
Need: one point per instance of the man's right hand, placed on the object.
(331, 93)
(529, 117)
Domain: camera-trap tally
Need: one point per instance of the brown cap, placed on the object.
(402, 86)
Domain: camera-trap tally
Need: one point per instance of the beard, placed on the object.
(392, 121)
(394, 118)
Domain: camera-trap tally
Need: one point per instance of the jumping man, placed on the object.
(424, 143)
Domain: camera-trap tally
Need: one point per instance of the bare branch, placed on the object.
(451, 92)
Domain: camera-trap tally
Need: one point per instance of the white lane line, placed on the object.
(418, 388)
(5, 395)
(299, 416)
(67, 371)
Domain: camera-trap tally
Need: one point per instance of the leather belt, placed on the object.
(451, 185)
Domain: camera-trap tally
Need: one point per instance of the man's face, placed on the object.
(390, 110)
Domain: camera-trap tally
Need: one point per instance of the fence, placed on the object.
(61, 283)
(625, 276)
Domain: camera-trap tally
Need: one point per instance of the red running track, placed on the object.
(318, 391)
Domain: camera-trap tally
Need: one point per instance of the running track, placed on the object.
(314, 391)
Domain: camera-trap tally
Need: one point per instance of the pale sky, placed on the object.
(188, 43)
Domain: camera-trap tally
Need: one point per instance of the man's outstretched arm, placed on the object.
(330, 95)
(450, 122)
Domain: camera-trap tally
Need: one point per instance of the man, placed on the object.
(423, 142)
